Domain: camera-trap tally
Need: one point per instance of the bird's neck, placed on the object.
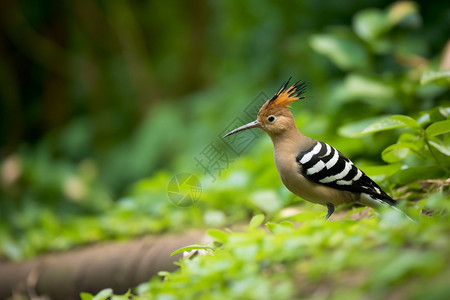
(290, 140)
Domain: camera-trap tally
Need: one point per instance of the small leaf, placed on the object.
(163, 273)
(190, 248)
(382, 125)
(354, 129)
(377, 170)
(287, 224)
(441, 77)
(343, 52)
(370, 24)
(218, 235)
(370, 87)
(378, 124)
(103, 294)
(441, 148)
(405, 12)
(379, 173)
(400, 150)
(406, 120)
(438, 128)
(86, 296)
(284, 226)
(256, 221)
(395, 153)
(271, 226)
(127, 294)
(411, 174)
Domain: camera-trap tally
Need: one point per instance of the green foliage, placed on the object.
(147, 96)
(61, 190)
(107, 294)
(190, 248)
(422, 151)
(316, 259)
(440, 77)
(384, 97)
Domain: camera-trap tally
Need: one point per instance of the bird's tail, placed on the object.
(374, 201)
(403, 213)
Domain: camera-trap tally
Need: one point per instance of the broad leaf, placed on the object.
(86, 296)
(397, 152)
(218, 235)
(284, 226)
(383, 125)
(355, 129)
(379, 173)
(103, 294)
(411, 174)
(373, 125)
(441, 148)
(190, 248)
(256, 221)
(406, 120)
(363, 86)
(441, 77)
(438, 128)
(370, 24)
(406, 12)
(343, 52)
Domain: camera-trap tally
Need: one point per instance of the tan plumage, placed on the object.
(311, 169)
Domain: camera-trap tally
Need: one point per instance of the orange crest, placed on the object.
(284, 96)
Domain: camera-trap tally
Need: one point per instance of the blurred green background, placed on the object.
(102, 102)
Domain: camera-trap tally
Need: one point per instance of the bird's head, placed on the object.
(274, 117)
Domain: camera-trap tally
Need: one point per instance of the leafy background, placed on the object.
(103, 102)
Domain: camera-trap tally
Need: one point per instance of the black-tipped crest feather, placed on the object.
(296, 90)
(282, 88)
(300, 88)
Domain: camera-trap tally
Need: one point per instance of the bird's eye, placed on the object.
(271, 118)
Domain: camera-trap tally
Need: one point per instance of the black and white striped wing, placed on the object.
(324, 164)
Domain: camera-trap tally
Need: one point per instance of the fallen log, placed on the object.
(116, 265)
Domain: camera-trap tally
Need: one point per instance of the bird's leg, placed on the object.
(330, 207)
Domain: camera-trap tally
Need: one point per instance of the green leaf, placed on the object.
(382, 125)
(411, 174)
(271, 226)
(405, 12)
(363, 86)
(441, 77)
(256, 221)
(287, 224)
(284, 226)
(373, 125)
(163, 273)
(434, 115)
(86, 296)
(397, 152)
(190, 248)
(343, 52)
(370, 24)
(406, 120)
(103, 294)
(381, 172)
(441, 148)
(354, 129)
(438, 128)
(218, 235)
(125, 296)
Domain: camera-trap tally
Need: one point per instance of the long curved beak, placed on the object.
(254, 124)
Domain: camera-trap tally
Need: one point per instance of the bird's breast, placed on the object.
(291, 176)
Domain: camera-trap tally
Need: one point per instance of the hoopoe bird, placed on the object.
(311, 169)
